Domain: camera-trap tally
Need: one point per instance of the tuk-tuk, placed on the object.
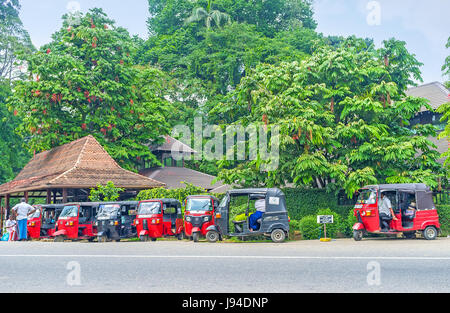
(158, 218)
(76, 221)
(42, 223)
(273, 221)
(199, 215)
(114, 220)
(412, 205)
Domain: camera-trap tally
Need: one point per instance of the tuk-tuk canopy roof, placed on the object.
(414, 187)
(275, 199)
(203, 196)
(174, 202)
(93, 204)
(120, 202)
(275, 192)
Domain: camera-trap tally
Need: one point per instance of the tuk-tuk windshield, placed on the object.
(199, 204)
(150, 208)
(108, 211)
(36, 214)
(69, 211)
(367, 197)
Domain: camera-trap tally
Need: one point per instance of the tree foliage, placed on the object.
(343, 118)
(84, 82)
(14, 39)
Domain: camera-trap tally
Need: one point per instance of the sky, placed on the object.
(423, 24)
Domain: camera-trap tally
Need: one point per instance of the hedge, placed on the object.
(302, 202)
(444, 218)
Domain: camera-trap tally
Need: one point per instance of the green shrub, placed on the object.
(349, 222)
(294, 225)
(309, 227)
(106, 193)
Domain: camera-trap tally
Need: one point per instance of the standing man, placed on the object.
(386, 213)
(22, 210)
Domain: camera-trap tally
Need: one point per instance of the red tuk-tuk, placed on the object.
(42, 223)
(76, 221)
(412, 205)
(158, 218)
(199, 215)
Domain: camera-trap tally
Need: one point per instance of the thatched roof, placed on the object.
(80, 164)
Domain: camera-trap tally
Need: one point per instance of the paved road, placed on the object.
(372, 265)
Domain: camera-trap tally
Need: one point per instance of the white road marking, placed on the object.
(262, 257)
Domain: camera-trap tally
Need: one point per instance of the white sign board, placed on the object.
(274, 200)
(325, 219)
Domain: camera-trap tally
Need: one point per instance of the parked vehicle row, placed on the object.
(205, 216)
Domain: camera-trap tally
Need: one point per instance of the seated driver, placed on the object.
(260, 206)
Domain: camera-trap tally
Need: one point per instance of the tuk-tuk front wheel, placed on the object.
(278, 235)
(195, 236)
(357, 235)
(212, 236)
(430, 233)
(144, 238)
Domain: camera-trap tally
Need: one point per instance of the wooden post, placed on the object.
(7, 208)
(49, 196)
(54, 196)
(64, 195)
(25, 195)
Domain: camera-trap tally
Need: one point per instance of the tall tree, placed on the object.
(444, 109)
(14, 39)
(343, 119)
(84, 82)
(209, 15)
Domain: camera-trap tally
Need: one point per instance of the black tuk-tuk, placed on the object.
(114, 220)
(270, 218)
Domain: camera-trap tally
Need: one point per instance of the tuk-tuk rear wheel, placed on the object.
(357, 235)
(430, 233)
(212, 236)
(278, 235)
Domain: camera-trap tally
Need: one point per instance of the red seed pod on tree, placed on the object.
(15, 112)
(48, 51)
(83, 126)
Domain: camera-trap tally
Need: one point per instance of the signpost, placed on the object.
(325, 219)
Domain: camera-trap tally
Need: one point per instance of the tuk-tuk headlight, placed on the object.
(188, 218)
(206, 219)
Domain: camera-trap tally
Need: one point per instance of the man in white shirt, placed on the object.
(386, 212)
(22, 210)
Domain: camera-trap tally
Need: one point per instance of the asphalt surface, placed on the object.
(372, 265)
